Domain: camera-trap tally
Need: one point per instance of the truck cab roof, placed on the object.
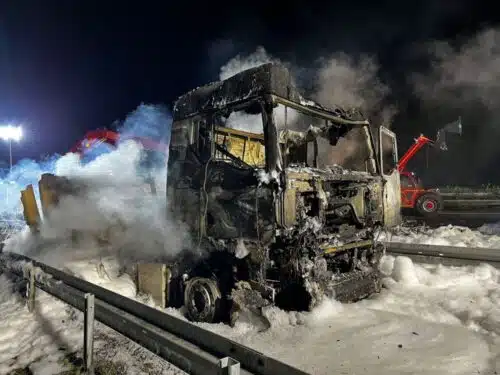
(271, 78)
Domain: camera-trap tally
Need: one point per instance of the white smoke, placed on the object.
(349, 83)
(240, 63)
(463, 73)
(354, 83)
(250, 122)
(149, 121)
(463, 79)
(116, 214)
(343, 81)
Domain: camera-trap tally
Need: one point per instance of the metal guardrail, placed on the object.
(452, 254)
(470, 200)
(472, 218)
(469, 194)
(470, 203)
(187, 346)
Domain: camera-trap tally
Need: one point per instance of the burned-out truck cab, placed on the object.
(283, 197)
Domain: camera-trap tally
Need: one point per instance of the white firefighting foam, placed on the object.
(487, 236)
(429, 319)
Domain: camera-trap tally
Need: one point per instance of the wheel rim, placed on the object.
(429, 205)
(200, 298)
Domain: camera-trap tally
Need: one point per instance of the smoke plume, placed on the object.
(463, 79)
(250, 122)
(349, 83)
(464, 73)
(240, 63)
(341, 81)
(116, 213)
(149, 121)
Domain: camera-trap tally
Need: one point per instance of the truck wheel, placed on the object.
(429, 204)
(202, 299)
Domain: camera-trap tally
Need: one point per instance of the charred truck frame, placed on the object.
(273, 224)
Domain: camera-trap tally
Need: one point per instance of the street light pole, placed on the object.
(10, 171)
(10, 154)
(10, 133)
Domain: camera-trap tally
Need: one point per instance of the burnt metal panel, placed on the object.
(269, 78)
(265, 79)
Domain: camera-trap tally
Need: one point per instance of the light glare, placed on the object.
(10, 132)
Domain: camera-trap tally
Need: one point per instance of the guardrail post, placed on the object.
(31, 291)
(229, 366)
(88, 334)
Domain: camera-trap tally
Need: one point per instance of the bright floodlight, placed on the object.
(11, 133)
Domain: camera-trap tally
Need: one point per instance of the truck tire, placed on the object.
(202, 299)
(429, 204)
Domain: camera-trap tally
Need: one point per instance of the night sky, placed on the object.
(71, 66)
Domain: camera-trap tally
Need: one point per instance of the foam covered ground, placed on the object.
(487, 236)
(428, 320)
(40, 339)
